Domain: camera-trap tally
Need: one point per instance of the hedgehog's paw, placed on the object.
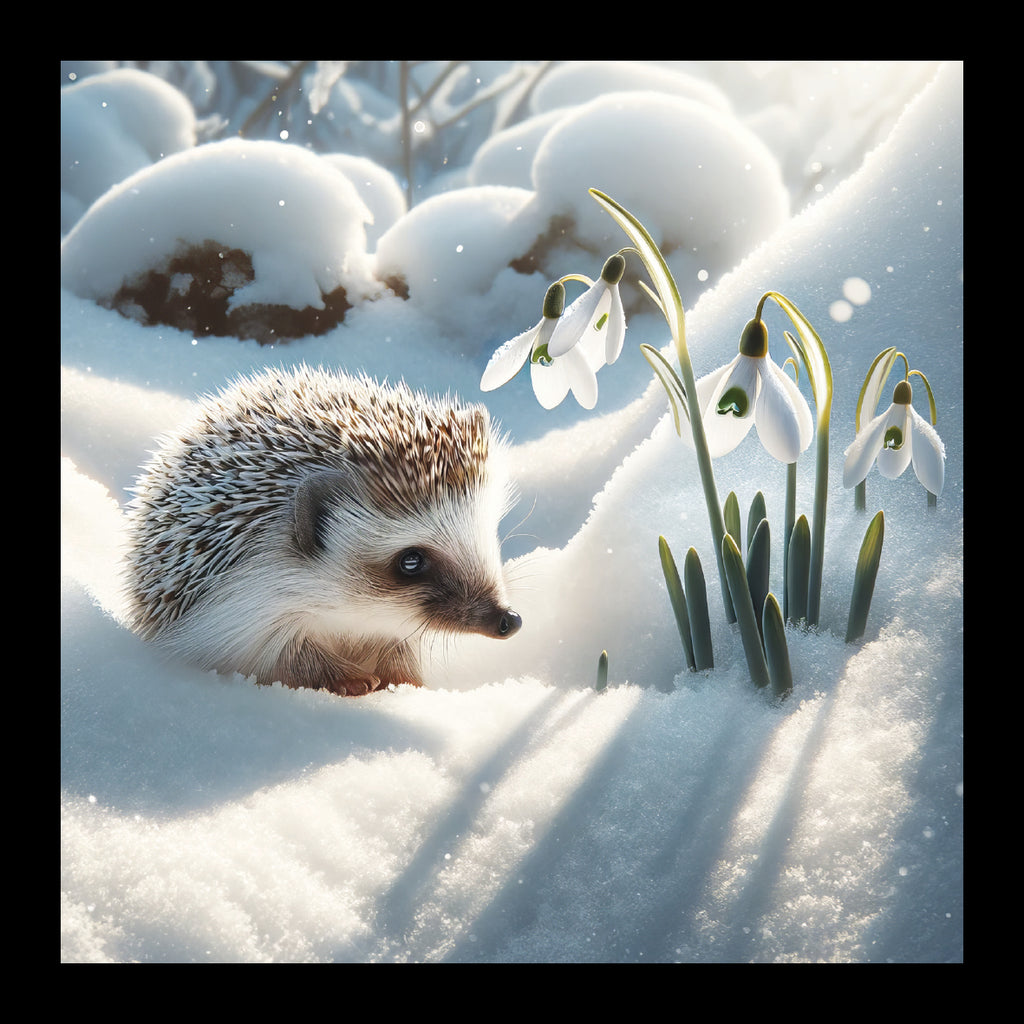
(354, 686)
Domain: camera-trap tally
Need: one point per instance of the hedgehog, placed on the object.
(311, 528)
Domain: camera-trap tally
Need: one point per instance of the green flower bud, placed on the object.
(554, 301)
(614, 268)
(903, 394)
(754, 340)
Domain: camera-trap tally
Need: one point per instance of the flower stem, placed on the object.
(819, 370)
(790, 522)
(672, 308)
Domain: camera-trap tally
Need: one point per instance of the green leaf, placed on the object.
(731, 514)
(697, 604)
(776, 649)
(757, 512)
(677, 597)
(602, 672)
(864, 577)
(750, 634)
(799, 569)
(670, 382)
(759, 563)
(872, 386)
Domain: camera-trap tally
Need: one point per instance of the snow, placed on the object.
(310, 236)
(509, 812)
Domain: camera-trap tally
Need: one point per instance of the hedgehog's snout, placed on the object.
(509, 623)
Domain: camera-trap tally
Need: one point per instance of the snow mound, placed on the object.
(293, 216)
(726, 196)
(442, 253)
(506, 158)
(377, 187)
(112, 125)
(581, 81)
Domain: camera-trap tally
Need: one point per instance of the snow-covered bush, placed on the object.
(287, 228)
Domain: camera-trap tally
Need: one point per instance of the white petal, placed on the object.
(724, 431)
(782, 415)
(892, 461)
(804, 416)
(929, 453)
(508, 360)
(592, 341)
(861, 455)
(712, 384)
(582, 378)
(550, 383)
(615, 328)
(573, 323)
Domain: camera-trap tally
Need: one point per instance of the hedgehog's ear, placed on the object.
(311, 505)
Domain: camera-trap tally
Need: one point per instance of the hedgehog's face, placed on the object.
(399, 571)
(451, 594)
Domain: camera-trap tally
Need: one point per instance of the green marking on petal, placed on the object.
(893, 439)
(540, 355)
(600, 323)
(734, 401)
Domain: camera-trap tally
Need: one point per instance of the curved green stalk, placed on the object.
(819, 371)
(670, 381)
(672, 308)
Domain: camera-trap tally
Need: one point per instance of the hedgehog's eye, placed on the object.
(412, 562)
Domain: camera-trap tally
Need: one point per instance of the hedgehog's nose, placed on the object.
(508, 624)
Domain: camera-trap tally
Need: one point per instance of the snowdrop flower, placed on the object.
(896, 438)
(598, 308)
(753, 389)
(566, 351)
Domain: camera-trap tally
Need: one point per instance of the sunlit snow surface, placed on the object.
(509, 813)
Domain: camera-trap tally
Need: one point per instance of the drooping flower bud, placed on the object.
(903, 394)
(754, 340)
(614, 268)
